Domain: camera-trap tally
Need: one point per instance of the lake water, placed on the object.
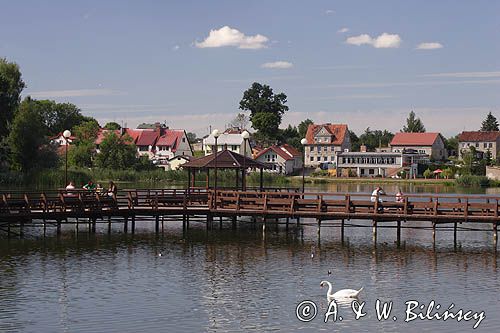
(240, 280)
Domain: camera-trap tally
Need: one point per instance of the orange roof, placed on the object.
(478, 136)
(133, 133)
(338, 132)
(414, 139)
(147, 138)
(170, 138)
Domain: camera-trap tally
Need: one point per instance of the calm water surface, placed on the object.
(239, 280)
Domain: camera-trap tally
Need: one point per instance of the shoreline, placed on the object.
(356, 180)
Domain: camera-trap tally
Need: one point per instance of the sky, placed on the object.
(363, 63)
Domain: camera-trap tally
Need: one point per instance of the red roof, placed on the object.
(147, 138)
(338, 132)
(286, 152)
(414, 139)
(133, 133)
(170, 138)
(102, 134)
(478, 136)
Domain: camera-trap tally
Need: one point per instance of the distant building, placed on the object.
(60, 140)
(324, 142)
(284, 159)
(431, 144)
(379, 164)
(481, 141)
(230, 140)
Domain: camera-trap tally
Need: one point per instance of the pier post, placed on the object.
(90, 225)
(94, 222)
(319, 226)
(109, 224)
(220, 223)
(434, 233)
(286, 223)
(187, 222)
(133, 222)
(183, 222)
(58, 231)
(157, 224)
(298, 221)
(374, 230)
(455, 235)
(398, 234)
(342, 230)
(125, 226)
(209, 221)
(77, 227)
(233, 222)
(21, 229)
(495, 235)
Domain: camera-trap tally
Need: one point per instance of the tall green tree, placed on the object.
(489, 124)
(26, 137)
(375, 138)
(413, 124)
(81, 154)
(112, 126)
(116, 152)
(86, 131)
(303, 126)
(11, 86)
(191, 137)
(266, 109)
(355, 143)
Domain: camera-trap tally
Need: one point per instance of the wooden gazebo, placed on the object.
(225, 159)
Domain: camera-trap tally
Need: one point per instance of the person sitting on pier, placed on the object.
(99, 188)
(376, 196)
(90, 186)
(400, 196)
(112, 189)
(69, 187)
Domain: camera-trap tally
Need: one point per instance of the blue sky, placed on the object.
(188, 62)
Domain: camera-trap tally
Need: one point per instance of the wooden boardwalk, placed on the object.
(56, 208)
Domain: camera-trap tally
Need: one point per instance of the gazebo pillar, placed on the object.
(189, 181)
(208, 178)
(261, 179)
(237, 179)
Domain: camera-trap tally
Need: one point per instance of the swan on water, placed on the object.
(344, 293)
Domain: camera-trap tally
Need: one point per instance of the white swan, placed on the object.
(344, 293)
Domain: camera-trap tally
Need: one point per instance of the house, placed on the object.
(176, 162)
(230, 140)
(146, 143)
(379, 164)
(283, 159)
(324, 142)
(481, 141)
(431, 144)
(173, 143)
(60, 140)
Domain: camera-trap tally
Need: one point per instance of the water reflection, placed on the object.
(234, 280)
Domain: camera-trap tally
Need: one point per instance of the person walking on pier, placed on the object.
(376, 196)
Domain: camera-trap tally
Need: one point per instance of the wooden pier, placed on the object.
(19, 210)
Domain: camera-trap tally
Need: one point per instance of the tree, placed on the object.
(355, 143)
(116, 152)
(303, 126)
(112, 126)
(427, 173)
(451, 144)
(375, 138)
(11, 86)
(81, 154)
(290, 135)
(490, 123)
(266, 109)
(240, 121)
(413, 124)
(26, 137)
(191, 137)
(448, 173)
(87, 131)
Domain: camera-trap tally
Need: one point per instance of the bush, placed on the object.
(471, 180)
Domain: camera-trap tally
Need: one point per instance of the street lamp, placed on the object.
(66, 136)
(245, 135)
(215, 134)
(303, 142)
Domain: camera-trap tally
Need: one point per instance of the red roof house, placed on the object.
(431, 144)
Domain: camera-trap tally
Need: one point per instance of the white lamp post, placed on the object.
(66, 136)
(245, 135)
(215, 134)
(303, 142)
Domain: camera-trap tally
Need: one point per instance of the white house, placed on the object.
(230, 141)
(283, 159)
(173, 143)
(324, 142)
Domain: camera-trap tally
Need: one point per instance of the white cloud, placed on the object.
(465, 74)
(359, 40)
(73, 93)
(329, 11)
(175, 48)
(429, 46)
(343, 30)
(227, 36)
(382, 41)
(409, 84)
(277, 65)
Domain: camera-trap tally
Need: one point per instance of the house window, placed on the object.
(183, 139)
(325, 148)
(312, 158)
(318, 149)
(325, 158)
(318, 158)
(477, 144)
(371, 171)
(234, 148)
(490, 145)
(143, 148)
(485, 145)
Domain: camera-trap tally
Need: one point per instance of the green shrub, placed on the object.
(471, 180)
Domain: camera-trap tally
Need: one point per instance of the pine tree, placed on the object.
(490, 123)
(413, 124)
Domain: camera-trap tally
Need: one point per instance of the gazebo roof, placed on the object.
(226, 159)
